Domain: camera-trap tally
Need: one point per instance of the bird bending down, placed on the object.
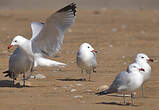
(47, 38)
(143, 60)
(126, 81)
(86, 59)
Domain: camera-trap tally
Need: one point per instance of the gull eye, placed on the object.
(15, 41)
(88, 47)
(134, 66)
(142, 57)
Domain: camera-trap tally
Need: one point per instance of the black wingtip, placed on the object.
(98, 93)
(102, 93)
(7, 75)
(70, 7)
(6, 71)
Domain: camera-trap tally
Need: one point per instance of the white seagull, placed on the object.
(86, 58)
(126, 81)
(47, 38)
(143, 60)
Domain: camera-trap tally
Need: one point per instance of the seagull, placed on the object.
(19, 63)
(86, 58)
(19, 58)
(47, 38)
(143, 60)
(126, 81)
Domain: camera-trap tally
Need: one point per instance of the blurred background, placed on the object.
(83, 4)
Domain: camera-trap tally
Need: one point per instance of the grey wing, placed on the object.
(36, 28)
(120, 80)
(50, 39)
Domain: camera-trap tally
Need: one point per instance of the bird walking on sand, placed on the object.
(126, 81)
(47, 38)
(143, 60)
(86, 59)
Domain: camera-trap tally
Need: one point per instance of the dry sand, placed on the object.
(117, 35)
(84, 4)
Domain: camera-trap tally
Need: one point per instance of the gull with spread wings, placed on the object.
(47, 39)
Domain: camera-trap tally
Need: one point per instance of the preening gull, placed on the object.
(126, 81)
(86, 58)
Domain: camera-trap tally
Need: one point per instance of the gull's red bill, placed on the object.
(150, 60)
(95, 51)
(9, 46)
(141, 69)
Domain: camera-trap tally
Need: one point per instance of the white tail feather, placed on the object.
(40, 61)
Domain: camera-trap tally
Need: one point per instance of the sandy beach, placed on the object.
(118, 35)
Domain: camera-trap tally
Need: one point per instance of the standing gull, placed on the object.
(143, 60)
(126, 81)
(86, 58)
(47, 38)
(19, 63)
(19, 58)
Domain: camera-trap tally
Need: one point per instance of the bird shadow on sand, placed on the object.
(9, 83)
(71, 79)
(6, 83)
(115, 103)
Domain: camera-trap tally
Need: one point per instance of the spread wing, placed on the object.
(50, 39)
(36, 28)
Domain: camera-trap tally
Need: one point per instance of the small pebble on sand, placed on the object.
(78, 84)
(73, 90)
(102, 87)
(78, 96)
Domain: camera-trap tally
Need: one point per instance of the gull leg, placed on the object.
(124, 101)
(13, 78)
(142, 88)
(132, 98)
(13, 82)
(89, 75)
(23, 79)
(32, 68)
(82, 75)
(31, 71)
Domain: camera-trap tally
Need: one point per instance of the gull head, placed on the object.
(140, 57)
(18, 41)
(135, 67)
(87, 48)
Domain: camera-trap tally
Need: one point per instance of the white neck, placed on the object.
(26, 47)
